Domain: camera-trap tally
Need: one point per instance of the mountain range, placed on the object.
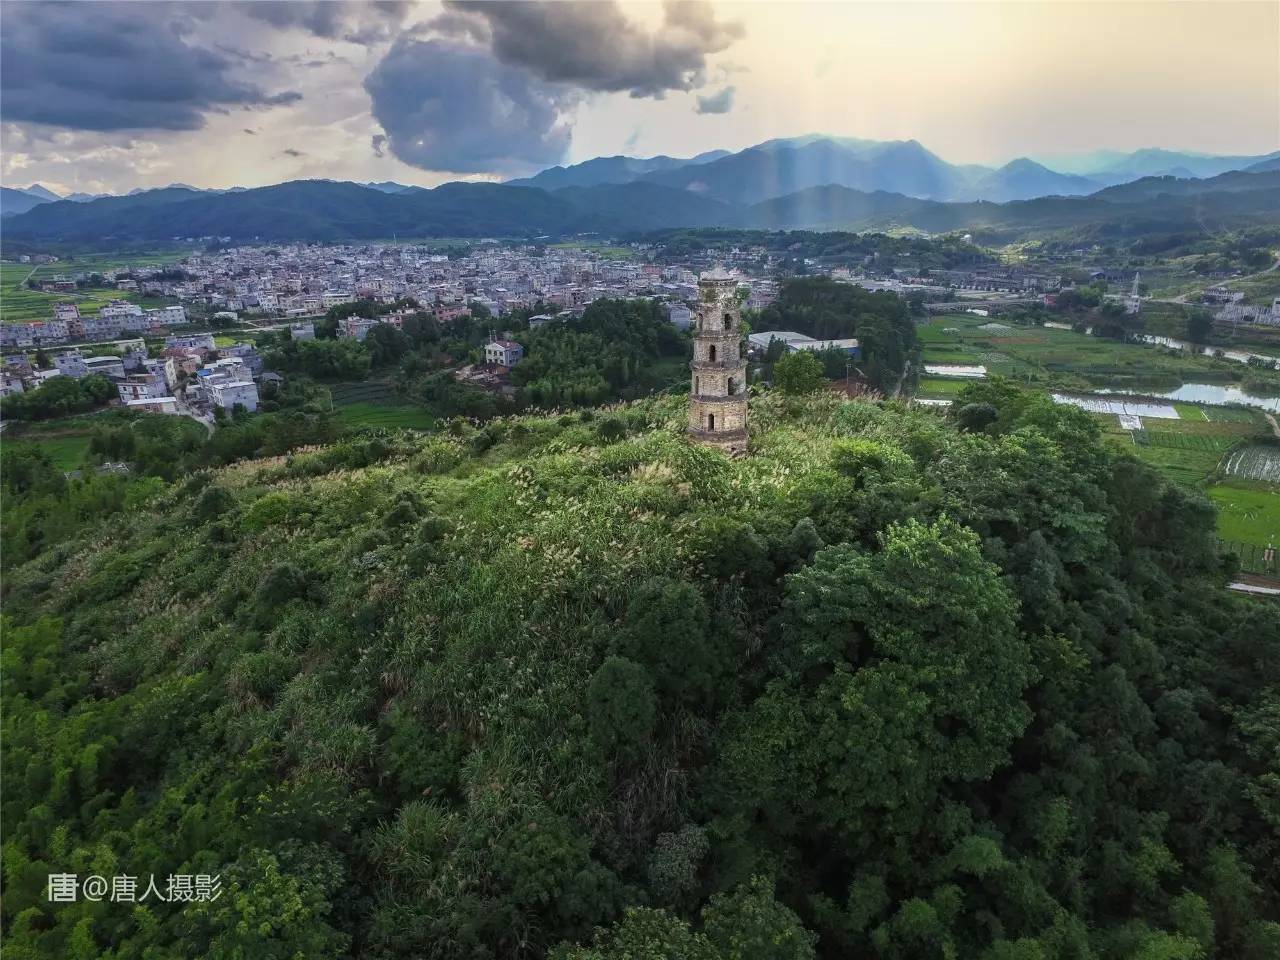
(776, 168)
(800, 183)
(326, 210)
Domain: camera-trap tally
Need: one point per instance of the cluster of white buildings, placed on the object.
(306, 280)
(191, 374)
(115, 319)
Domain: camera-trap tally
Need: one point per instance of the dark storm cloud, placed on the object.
(355, 21)
(721, 102)
(594, 46)
(115, 66)
(449, 106)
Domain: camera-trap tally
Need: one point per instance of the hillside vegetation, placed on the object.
(570, 686)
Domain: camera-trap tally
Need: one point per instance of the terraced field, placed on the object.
(373, 404)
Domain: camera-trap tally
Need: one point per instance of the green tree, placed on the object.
(799, 372)
(620, 704)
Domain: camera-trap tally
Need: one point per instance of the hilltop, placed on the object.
(890, 686)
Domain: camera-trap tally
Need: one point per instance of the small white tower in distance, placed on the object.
(1135, 294)
(718, 402)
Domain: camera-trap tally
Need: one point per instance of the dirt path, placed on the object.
(1275, 427)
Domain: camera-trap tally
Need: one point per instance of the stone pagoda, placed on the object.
(718, 404)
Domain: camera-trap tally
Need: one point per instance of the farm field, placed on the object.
(1194, 451)
(362, 414)
(1063, 358)
(372, 404)
(65, 440)
(64, 452)
(1247, 512)
(20, 304)
(600, 250)
(941, 387)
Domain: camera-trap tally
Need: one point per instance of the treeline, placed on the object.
(59, 397)
(43, 506)
(827, 310)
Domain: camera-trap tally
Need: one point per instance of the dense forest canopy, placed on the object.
(606, 354)
(891, 686)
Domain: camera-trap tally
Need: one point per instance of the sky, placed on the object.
(109, 96)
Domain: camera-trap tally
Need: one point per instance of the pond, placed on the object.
(1240, 356)
(1211, 393)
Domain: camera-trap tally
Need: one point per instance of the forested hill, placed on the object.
(324, 210)
(889, 687)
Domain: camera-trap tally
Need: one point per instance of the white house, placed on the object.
(228, 393)
(505, 353)
(120, 309)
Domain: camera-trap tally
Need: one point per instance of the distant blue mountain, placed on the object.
(1022, 179)
(17, 201)
(1264, 166)
(785, 165)
(600, 170)
(38, 190)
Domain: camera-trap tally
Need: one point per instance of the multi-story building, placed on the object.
(122, 309)
(231, 393)
(69, 363)
(142, 386)
(170, 316)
